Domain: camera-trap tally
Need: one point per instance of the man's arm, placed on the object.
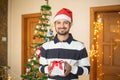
(43, 62)
(83, 67)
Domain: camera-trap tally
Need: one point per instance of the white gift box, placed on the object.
(57, 68)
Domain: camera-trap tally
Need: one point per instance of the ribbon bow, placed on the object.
(57, 63)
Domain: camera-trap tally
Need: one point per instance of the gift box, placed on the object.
(57, 68)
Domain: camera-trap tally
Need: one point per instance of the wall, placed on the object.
(80, 29)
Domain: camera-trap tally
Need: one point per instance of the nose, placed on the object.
(62, 25)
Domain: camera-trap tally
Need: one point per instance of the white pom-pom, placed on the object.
(35, 31)
(37, 27)
(27, 69)
(29, 60)
(34, 58)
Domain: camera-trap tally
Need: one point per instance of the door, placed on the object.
(111, 46)
(105, 63)
(29, 22)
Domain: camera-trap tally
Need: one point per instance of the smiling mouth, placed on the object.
(62, 28)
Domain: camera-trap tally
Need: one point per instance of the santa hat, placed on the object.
(64, 14)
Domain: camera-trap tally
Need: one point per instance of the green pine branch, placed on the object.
(43, 19)
(46, 7)
(43, 24)
(42, 30)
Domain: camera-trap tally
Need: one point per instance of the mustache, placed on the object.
(62, 28)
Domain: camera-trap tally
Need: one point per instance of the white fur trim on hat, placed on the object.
(62, 16)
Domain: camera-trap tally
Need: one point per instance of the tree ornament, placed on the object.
(31, 46)
(38, 52)
(47, 21)
(46, 39)
(34, 49)
(35, 32)
(32, 63)
(37, 26)
(28, 70)
(38, 56)
(33, 37)
(42, 28)
(29, 60)
(34, 58)
(51, 33)
(35, 75)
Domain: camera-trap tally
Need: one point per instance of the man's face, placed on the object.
(62, 26)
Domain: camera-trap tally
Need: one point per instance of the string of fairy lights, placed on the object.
(95, 51)
(98, 27)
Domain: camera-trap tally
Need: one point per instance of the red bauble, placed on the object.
(31, 46)
(33, 37)
(47, 21)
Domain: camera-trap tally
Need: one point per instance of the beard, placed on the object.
(62, 32)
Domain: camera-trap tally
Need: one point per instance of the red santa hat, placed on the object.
(64, 13)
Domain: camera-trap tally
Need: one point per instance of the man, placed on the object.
(64, 48)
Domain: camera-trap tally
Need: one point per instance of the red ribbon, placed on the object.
(57, 63)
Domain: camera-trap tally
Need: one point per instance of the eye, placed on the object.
(57, 22)
(66, 22)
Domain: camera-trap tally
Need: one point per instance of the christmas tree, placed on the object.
(42, 33)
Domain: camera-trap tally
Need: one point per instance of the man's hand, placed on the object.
(67, 69)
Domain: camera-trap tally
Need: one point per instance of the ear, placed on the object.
(71, 24)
